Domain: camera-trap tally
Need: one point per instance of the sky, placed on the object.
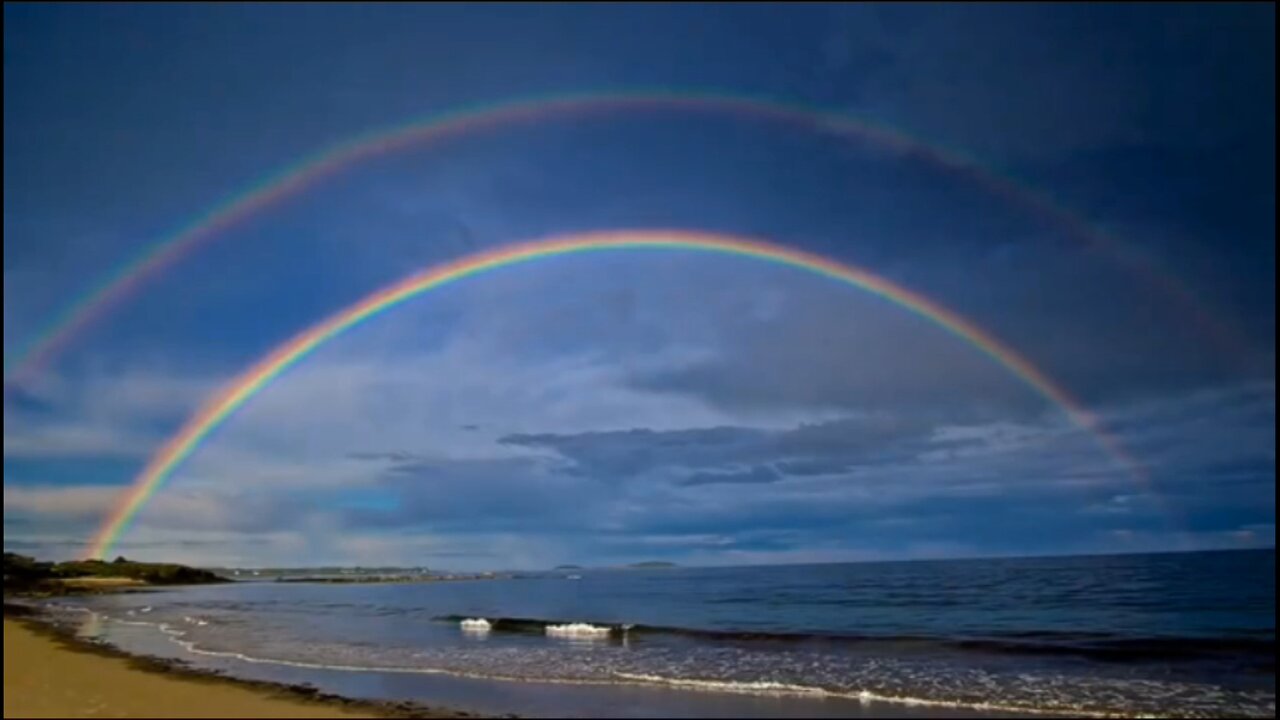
(648, 405)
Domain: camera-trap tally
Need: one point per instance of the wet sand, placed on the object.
(49, 675)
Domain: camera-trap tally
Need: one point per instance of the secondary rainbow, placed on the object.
(87, 308)
(240, 390)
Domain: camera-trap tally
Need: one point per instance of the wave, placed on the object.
(578, 630)
(1257, 652)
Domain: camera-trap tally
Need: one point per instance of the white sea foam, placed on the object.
(577, 630)
(476, 625)
(865, 696)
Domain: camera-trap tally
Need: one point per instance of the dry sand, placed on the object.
(102, 582)
(45, 676)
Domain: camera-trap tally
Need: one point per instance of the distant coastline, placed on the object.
(385, 579)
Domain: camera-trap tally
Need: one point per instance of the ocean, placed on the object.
(1187, 634)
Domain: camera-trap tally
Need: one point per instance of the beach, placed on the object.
(46, 675)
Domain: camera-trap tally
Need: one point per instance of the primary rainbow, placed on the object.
(85, 309)
(236, 393)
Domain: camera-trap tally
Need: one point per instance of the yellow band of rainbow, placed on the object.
(239, 391)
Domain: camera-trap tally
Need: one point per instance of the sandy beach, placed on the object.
(48, 676)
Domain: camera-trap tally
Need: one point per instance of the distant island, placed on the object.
(568, 567)
(652, 564)
(23, 574)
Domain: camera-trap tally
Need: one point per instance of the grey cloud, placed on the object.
(836, 444)
(396, 456)
(812, 466)
(831, 350)
(750, 476)
(477, 496)
(1204, 436)
(629, 452)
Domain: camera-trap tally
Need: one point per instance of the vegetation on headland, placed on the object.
(26, 574)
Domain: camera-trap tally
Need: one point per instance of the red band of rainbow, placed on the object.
(240, 390)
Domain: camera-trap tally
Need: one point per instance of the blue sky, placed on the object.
(646, 406)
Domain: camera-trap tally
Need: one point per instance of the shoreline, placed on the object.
(32, 627)
(405, 692)
(304, 697)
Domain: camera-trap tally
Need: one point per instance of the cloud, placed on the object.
(642, 493)
(749, 476)
(392, 456)
(67, 502)
(819, 448)
(1123, 505)
(812, 466)
(105, 413)
(73, 440)
(868, 361)
(229, 509)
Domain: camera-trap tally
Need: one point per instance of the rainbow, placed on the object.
(240, 390)
(98, 301)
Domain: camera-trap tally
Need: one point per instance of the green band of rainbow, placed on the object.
(86, 309)
(236, 393)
